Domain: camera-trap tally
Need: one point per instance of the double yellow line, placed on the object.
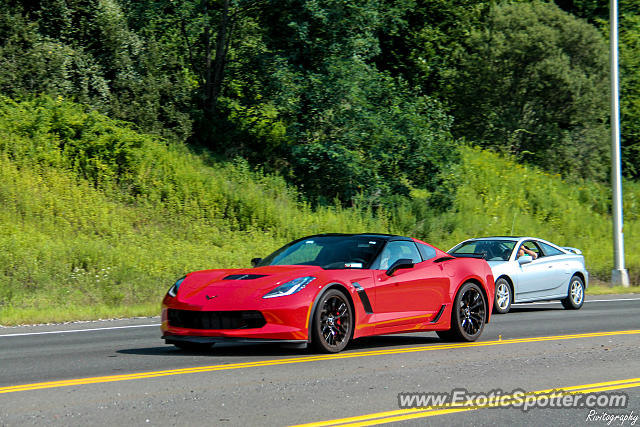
(505, 400)
(293, 360)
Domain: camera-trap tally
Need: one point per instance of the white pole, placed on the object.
(619, 274)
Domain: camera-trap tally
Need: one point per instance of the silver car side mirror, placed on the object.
(525, 259)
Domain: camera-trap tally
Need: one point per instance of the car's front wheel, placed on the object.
(332, 322)
(575, 297)
(503, 298)
(468, 314)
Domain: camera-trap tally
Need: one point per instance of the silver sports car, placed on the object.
(528, 269)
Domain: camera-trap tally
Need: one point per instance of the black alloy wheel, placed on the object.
(468, 315)
(332, 322)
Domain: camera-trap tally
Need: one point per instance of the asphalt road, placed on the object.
(120, 372)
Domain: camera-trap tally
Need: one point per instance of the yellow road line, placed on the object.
(505, 400)
(304, 359)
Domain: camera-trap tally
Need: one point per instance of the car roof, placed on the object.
(514, 239)
(376, 235)
(500, 238)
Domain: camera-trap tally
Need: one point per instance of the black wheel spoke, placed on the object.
(476, 305)
(476, 317)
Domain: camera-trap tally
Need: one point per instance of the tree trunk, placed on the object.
(219, 63)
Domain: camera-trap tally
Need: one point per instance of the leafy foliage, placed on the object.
(363, 140)
(86, 51)
(597, 12)
(533, 84)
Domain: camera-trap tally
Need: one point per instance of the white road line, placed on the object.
(80, 330)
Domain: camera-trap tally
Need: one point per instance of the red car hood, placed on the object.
(201, 286)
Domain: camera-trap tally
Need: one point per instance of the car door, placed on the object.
(560, 266)
(536, 278)
(411, 295)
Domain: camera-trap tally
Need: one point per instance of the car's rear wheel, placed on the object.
(503, 298)
(468, 314)
(575, 297)
(332, 322)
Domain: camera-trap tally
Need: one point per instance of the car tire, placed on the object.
(575, 294)
(332, 322)
(192, 346)
(468, 314)
(504, 296)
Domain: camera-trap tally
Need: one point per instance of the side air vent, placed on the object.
(244, 276)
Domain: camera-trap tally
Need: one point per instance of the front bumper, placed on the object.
(280, 324)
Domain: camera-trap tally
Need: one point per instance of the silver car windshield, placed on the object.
(493, 250)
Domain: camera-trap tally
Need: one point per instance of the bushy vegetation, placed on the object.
(353, 100)
(97, 215)
(98, 220)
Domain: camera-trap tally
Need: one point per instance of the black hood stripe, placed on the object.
(244, 276)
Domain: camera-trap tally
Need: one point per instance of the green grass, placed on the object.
(98, 220)
(605, 288)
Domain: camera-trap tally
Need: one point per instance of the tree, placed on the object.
(533, 82)
(597, 12)
(420, 43)
(85, 50)
(365, 139)
(630, 92)
(355, 133)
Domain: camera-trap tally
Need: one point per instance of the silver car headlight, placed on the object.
(290, 288)
(173, 290)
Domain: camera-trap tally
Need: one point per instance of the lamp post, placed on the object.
(619, 274)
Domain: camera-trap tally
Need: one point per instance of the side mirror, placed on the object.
(525, 259)
(255, 261)
(401, 263)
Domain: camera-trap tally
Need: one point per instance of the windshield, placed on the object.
(330, 252)
(493, 250)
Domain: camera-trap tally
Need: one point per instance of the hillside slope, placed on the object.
(98, 220)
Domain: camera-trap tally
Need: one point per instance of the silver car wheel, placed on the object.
(503, 295)
(577, 292)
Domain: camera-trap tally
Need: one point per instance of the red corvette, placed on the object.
(328, 289)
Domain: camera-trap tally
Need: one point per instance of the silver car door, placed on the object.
(537, 278)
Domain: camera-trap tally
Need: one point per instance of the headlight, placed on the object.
(290, 288)
(173, 290)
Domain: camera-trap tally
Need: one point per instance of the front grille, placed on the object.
(216, 319)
